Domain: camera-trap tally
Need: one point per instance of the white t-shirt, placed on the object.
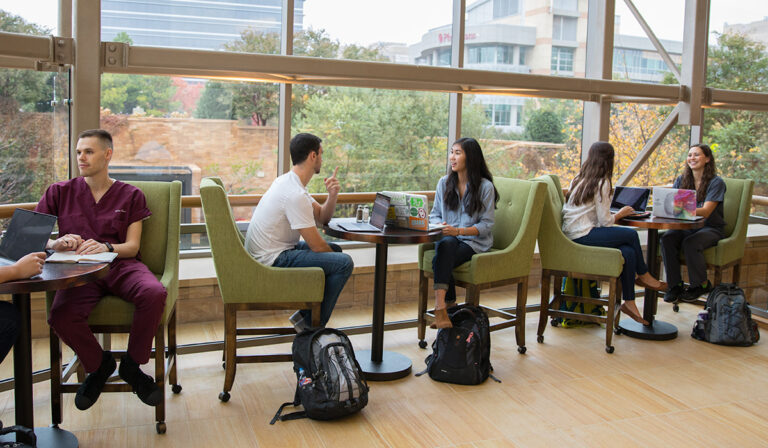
(285, 208)
(579, 220)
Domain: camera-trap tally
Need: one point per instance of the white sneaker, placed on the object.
(298, 322)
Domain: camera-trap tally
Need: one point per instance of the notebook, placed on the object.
(635, 197)
(675, 203)
(28, 232)
(378, 216)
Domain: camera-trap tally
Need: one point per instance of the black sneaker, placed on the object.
(673, 294)
(692, 293)
(143, 385)
(89, 391)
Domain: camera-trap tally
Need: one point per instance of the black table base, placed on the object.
(657, 331)
(392, 366)
(49, 437)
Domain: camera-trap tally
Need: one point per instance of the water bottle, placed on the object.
(359, 215)
(366, 214)
(303, 379)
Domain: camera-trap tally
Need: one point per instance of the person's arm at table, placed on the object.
(28, 266)
(128, 249)
(314, 240)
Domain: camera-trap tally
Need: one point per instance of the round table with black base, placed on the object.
(55, 276)
(377, 364)
(656, 330)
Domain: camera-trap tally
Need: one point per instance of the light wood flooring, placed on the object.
(567, 392)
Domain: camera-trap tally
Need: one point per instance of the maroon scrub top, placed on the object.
(108, 220)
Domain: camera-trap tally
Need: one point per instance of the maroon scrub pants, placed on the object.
(128, 279)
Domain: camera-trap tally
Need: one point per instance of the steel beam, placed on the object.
(599, 66)
(456, 100)
(654, 40)
(694, 71)
(286, 92)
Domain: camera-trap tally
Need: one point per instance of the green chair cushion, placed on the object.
(241, 278)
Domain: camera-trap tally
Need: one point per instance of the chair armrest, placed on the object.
(591, 260)
(423, 248)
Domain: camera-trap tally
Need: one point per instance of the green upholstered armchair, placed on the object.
(730, 250)
(518, 215)
(561, 257)
(246, 284)
(159, 250)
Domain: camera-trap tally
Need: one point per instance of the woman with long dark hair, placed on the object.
(699, 174)
(587, 220)
(465, 202)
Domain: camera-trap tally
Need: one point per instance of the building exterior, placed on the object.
(191, 24)
(757, 31)
(540, 37)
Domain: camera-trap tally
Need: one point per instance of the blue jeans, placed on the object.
(336, 266)
(627, 241)
(450, 252)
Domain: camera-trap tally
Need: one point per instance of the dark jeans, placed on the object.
(692, 243)
(627, 241)
(9, 327)
(450, 252)
(336, 266)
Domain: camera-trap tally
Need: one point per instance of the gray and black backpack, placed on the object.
(329, 383)
(727, 319)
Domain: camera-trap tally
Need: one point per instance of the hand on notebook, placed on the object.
(69, 241)
(91, 247)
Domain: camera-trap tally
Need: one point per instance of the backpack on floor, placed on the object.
(329, 383)
(581, 288)
(462, 354)
(727, 319)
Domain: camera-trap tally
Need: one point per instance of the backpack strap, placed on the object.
(292, 416)
(18, 430)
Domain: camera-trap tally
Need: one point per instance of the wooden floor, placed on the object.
(567, 392)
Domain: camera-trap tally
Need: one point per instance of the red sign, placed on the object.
(446, 37)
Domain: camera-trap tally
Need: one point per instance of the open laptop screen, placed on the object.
(28, 232)
(380, 209)
(635, 197)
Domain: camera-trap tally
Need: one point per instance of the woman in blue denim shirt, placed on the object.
(465, 201)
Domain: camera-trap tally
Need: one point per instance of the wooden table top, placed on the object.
(57, 276)
(390, 235)
(655, 222)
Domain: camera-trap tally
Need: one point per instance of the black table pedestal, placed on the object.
(49, 437)
(377, 364)
(657, 330)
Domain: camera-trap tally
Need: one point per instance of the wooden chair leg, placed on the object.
(718, 275)
(55, 351)
(736, 276)
(173, 378)
(473, 295)
(544, 307)
(522, 301)
(160, 377)
(230, 350)
(421, 317)
(315, 314)
(611, 318)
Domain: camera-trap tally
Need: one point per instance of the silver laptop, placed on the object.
(675, 203)
(28, 232)
(378, 217)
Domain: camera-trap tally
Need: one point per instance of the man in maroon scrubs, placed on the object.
(98, 214)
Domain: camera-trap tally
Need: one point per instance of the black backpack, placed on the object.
(462, 354)
(329, 383)
(727, 320)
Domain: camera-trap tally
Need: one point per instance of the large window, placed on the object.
(564, 28)
(562, 60)
(503, 8)
(379, 139)
(490, 54)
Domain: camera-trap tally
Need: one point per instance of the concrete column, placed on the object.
(599, 65)
(86, 73)
(457, 60)
(286, 91)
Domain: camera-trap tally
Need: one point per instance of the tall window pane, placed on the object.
(379, 139)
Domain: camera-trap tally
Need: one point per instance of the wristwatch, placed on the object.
(109, 246)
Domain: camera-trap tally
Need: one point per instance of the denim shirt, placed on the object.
(461, 218)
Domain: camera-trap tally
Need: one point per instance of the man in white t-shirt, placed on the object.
(287, 213)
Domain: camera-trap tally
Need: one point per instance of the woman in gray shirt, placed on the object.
(465, 201)
(699, 174)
